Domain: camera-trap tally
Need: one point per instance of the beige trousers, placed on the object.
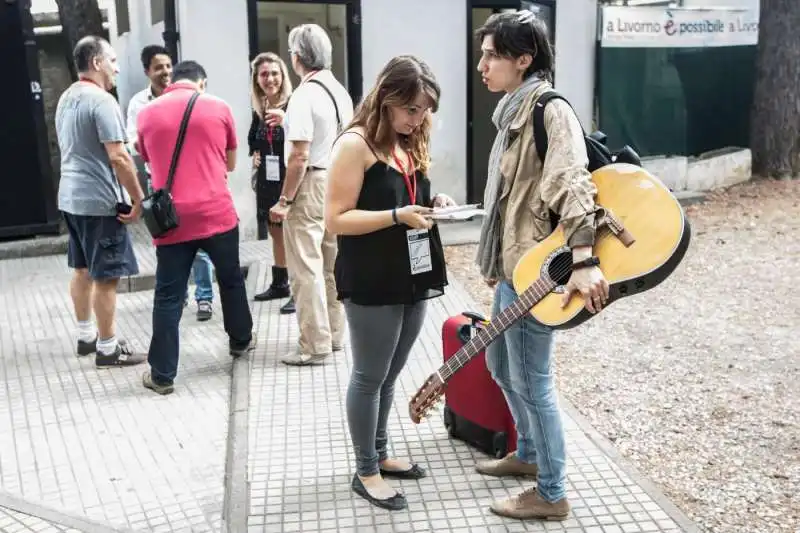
(310, 257)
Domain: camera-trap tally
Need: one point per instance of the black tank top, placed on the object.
(375, 268)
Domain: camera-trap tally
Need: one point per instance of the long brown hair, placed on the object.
(257, 96)
(399, 83)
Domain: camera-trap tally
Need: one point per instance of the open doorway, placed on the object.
(480, 102)
(271, 22)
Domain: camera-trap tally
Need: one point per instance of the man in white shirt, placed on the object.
(158, 68)
(318, 110)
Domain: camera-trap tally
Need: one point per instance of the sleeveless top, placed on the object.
(375, 268)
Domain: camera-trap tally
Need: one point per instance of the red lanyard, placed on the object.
(87, 80)
(408, 172)
(269, 128)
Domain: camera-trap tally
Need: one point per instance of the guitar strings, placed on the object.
(600, 233)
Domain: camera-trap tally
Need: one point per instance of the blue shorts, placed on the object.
(100, 244)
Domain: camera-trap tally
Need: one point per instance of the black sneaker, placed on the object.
(87, 348)
(289, 308)
(122, 356)
(204, 311)
(238, 351)
(163, 389)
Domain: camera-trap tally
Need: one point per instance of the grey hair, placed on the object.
(87, 49)
(312, 45)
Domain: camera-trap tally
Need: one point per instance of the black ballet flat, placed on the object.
(415, 472)
(395, 503)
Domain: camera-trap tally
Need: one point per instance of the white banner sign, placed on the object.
(658, 27)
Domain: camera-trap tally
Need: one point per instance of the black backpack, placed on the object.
(599, 154)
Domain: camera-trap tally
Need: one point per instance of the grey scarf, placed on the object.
(489, 257)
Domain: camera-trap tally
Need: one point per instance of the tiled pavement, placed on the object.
(94, 444)
(14, 522)
(300, 463)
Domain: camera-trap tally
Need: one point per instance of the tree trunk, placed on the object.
(79, 18)
(775, 115)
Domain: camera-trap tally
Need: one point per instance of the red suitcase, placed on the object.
(475, 408)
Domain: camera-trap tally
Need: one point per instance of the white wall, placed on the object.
(435, 32)
(576, 39)
(214, 34)
(129, 47)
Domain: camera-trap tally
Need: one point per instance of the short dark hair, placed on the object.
(188, 70)
(518, 33)
(86, 50)
(151, 51)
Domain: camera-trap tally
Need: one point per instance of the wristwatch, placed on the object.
(285, 201)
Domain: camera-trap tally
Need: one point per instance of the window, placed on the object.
(123, 16)
(156, 11)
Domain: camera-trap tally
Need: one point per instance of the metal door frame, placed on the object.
(354, 56)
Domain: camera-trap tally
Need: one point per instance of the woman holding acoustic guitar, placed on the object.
(390, 258)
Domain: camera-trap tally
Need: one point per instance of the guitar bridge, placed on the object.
(616, 227)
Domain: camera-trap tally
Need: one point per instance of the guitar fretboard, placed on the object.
(530, 297)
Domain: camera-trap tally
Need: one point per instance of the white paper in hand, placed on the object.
(458, 212)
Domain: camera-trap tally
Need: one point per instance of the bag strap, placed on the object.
(539, 130)
(335, 107)
(179, 143)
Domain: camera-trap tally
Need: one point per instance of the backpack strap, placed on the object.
(539, 130)
(540, 135)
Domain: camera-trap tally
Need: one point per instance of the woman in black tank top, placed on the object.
(390, 259)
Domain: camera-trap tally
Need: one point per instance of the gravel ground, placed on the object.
(692, 380)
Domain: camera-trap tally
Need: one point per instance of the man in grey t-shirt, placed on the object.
(98, 195)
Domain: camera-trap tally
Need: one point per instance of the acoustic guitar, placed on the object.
(641, 237)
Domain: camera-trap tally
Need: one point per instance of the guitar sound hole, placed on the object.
(559, 268)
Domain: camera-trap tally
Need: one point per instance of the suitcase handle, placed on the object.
(477, 321)
(474, 317)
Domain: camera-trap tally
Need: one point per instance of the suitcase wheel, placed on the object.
(449, 421)
(500, 444)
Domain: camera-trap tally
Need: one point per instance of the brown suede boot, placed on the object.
(530, 504)
(508, 466)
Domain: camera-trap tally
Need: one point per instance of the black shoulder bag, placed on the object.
(158, 211)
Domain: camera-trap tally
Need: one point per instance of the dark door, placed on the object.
(27, 195)
(480, 102)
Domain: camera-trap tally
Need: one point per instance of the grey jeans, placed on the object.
(381, 337)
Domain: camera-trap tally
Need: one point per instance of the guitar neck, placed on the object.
(511, 314)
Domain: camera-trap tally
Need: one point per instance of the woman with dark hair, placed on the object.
(270, 90)
(517, 59)
(390, 258)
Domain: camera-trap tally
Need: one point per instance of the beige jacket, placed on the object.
(531, 188)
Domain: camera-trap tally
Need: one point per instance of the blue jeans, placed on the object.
(203, 272)
(520, 361)
(173, 263)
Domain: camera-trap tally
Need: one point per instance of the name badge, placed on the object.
(273, 167)
(419, 251)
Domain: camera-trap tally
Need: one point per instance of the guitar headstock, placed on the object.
(426, 398)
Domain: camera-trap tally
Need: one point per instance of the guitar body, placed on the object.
(647, 210)
(639, 245)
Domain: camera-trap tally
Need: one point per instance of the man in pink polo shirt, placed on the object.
(208, 218)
